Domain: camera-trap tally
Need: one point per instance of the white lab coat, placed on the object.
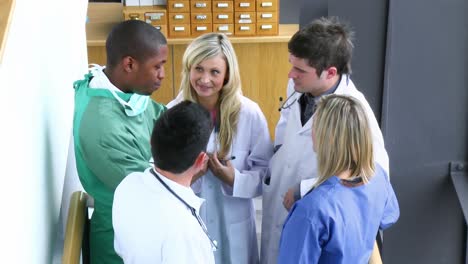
(228, 212)
(296, 163)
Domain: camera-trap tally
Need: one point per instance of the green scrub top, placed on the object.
(109, 145)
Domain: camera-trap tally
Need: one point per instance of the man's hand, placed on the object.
(289, 199)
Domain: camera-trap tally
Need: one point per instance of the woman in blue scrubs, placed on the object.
(338, 220)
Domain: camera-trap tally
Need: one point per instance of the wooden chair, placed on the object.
(77, 232)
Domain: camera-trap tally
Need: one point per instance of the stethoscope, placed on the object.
(214, 244)
(285, 104)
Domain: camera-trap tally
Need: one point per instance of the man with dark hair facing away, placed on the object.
(156, 213)
(113, 121)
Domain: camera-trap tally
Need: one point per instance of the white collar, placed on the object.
(186, 193)
(100, 79)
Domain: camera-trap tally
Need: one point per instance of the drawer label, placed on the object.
(267, 15)
(266, 4)
(244, 4)
(178, 5)
(201, 28)
(179, 28)
(244, 28)
(222, 5)
(154, 16)
(223, 16)
(179, 17)
(200, 5)
(200, 17)
(223, 28)
(267, 26)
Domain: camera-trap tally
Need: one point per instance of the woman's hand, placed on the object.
(289, 199)
(225, 172)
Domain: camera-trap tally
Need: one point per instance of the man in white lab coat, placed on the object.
(155, 214)
(320, 56)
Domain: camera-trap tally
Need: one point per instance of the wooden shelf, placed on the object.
(103, 16)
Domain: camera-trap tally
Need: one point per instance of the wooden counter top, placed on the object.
(103, 16)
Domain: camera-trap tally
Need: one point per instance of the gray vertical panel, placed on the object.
(368, 18)
(289, 11)
(425, 116)
(312, 9)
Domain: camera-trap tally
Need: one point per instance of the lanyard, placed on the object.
(214, 244)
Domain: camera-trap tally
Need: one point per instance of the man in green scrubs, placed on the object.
(113, 122)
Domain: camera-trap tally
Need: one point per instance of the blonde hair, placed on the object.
(205, 47)
(343, 138)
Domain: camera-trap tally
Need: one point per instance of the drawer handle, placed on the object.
(200, 5)
(222, 5)
(200, 17)
(223, 28)
(265, 4)
(134, 16)
(178, 5)
(267, 27)
(155, 16)
(201, 28)
(244, 28)
(245, 16)
(178, 17)
(267, 15)
(179, 28)
(223, 16)
(244, 4)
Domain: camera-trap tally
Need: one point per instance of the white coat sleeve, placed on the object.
(281, 126)
(248, 181)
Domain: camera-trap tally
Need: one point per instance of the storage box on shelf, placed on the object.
(154, 15)
(179, 18)
(223, 17)
(267, 17)
(201, 17)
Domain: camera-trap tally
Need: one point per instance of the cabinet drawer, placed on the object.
(200, 29)
(244, 5)
(156, 18)
(223, 18)
(162, 28)
(244, 29)
(267, 5)
(179, 18)
(178, 6)
(244, 17)
(227, 29)
(201, 18)
(267, 17)
(200, 6)
(179, 31)
(223, 6)
(267, 29)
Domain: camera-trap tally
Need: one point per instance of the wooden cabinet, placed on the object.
(263, 63)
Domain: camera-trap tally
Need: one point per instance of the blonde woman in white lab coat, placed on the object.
(240, 147)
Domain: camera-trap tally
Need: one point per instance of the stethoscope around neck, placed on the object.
(214, 244)
(288, 102)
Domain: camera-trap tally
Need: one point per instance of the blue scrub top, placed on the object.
(338, 224)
